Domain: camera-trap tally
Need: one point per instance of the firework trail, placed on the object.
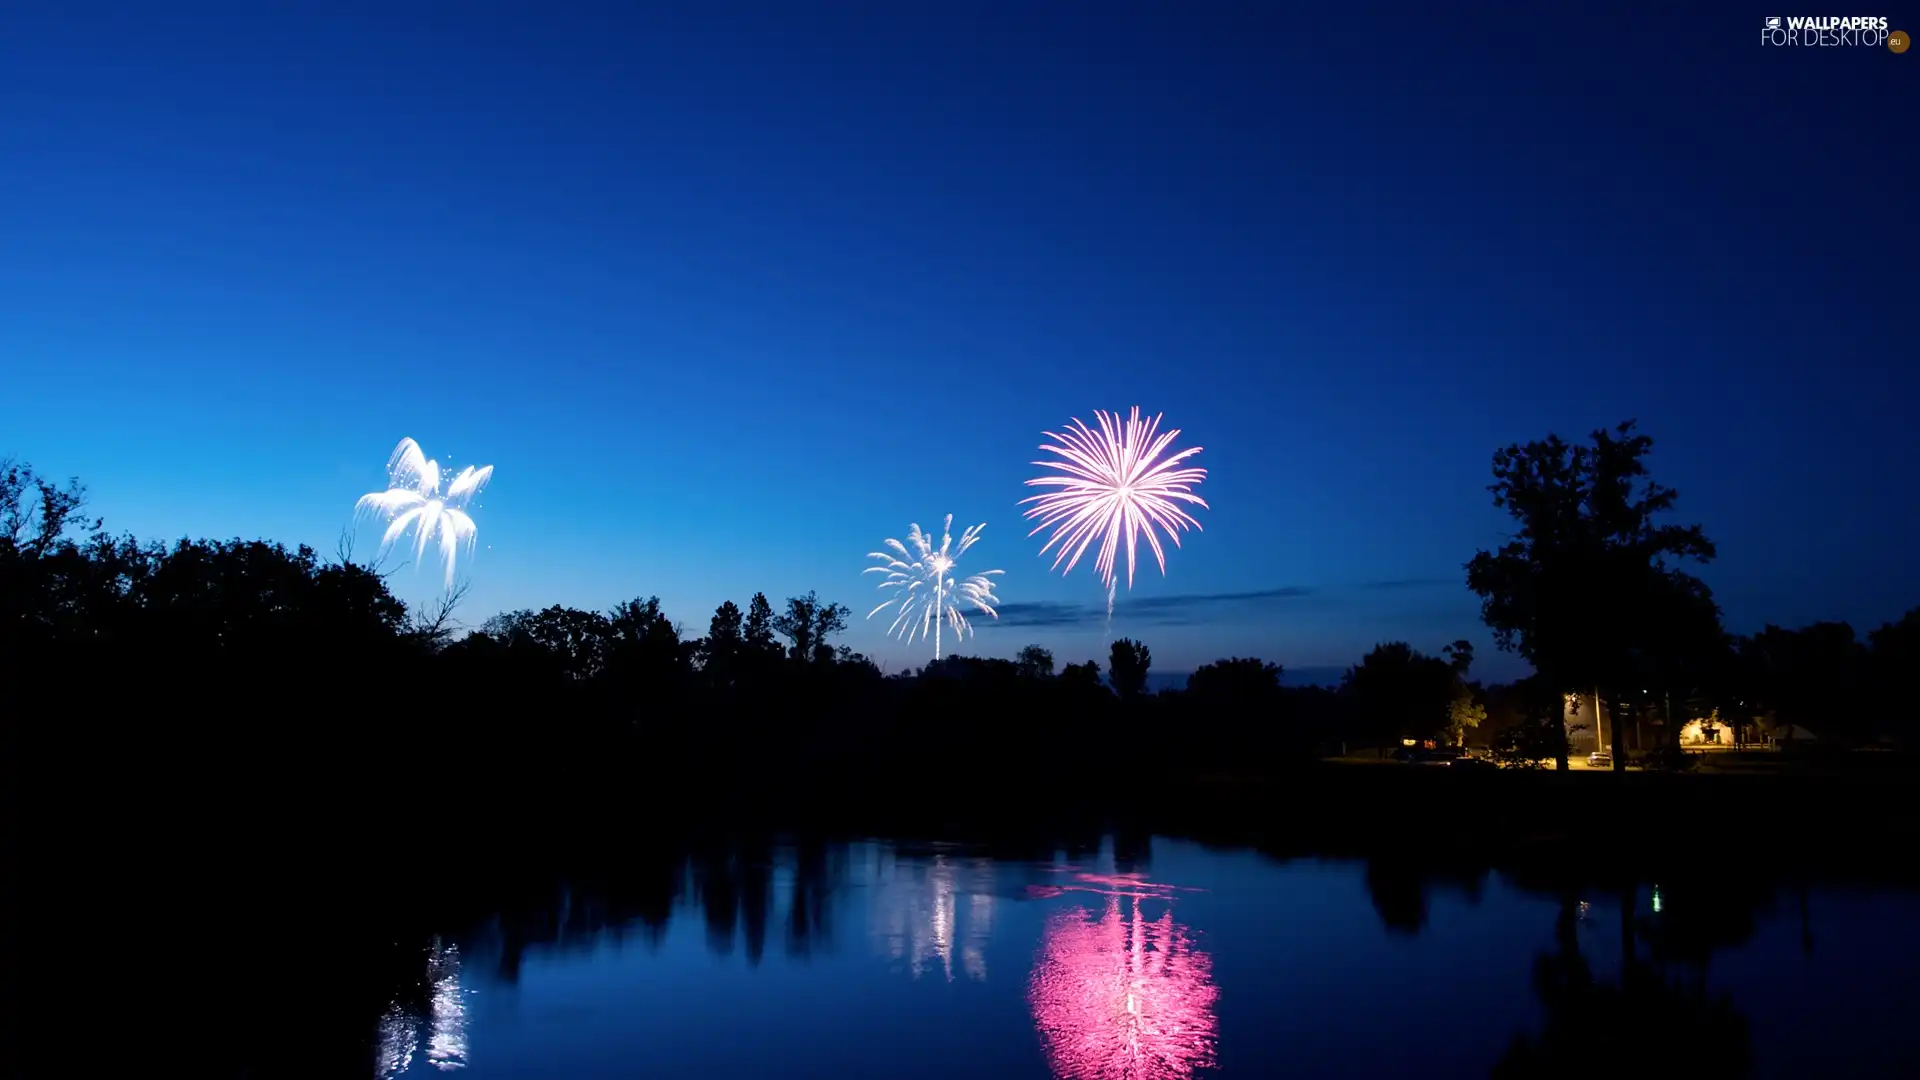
(927, 591)
(413, 500)
(1110, 484)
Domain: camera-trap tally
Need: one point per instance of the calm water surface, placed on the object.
(1166, 960)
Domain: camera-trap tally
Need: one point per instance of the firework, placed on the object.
(925, 589)
(413, 499)
(1110, 484)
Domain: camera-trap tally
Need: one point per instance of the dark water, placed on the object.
(1167, 960)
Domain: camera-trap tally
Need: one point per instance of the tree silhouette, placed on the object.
(719, 653)
(645, 657)
(1893, 668)
(1814, 677)
(1128, 664)
(35, 512)
(576, 641)
(1035, 662)
(1241, 680)
(761, 652)
(1082, 677)
(808, 624)
(1401, 693)
(1459, 656)
(1466, 712)
(1244, 698)
(1580, 587)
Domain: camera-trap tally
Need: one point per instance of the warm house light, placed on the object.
(1708, 729)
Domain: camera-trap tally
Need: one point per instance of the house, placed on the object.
(1645, 727)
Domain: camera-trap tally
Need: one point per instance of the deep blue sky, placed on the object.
(729, 294)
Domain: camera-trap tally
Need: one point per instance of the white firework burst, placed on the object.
(926, 590)
(413, 500)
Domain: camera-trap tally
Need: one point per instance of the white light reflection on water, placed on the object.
(447, 1044)
(973, 952)
(399, 1037)
(444, 1022)
(915, 914)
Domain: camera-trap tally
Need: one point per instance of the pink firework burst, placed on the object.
(1112, 484)
(1122, 997)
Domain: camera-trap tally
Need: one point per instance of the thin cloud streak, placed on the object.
(1413, 583)
(1187, 609)
(1180, 610)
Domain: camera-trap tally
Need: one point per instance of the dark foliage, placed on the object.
(1586, 590)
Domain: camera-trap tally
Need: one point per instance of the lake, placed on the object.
(1151, 959)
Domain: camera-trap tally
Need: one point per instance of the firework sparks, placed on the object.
(413, 499)
(925, 590)
(1110, 484)
(1123, 997)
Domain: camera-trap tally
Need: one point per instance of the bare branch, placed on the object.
(434, 624)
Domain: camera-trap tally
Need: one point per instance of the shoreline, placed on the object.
(325, 826)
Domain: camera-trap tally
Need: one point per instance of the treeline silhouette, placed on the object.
(268, 667)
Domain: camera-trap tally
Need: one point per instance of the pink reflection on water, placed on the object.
(1134, 885)
(1122, 997)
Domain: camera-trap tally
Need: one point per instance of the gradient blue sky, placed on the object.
(729, 293)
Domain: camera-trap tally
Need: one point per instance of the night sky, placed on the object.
(728, 294)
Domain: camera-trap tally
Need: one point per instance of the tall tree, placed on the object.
(808, 624)
(1400, 692)
(575, 640)
(1459, 656)
(1581, 587)
(1035, 662)
(757, 631)
(1814, 677)
(1242, 682)
(1127, 665)
(1082, 678)
(719, 652)
(644, 650)
(1466, 712)
(1893, 664)
(36, 512)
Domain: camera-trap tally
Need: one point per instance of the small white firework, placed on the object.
(413, 500)
(926, 589)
